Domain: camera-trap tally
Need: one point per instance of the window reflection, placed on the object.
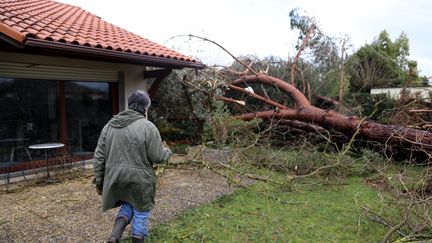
(88, 109)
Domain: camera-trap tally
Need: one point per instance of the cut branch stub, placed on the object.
(258, 97)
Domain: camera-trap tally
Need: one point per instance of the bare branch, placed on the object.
(301, 48)
(218, 45)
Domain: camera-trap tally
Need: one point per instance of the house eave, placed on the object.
(110, 55)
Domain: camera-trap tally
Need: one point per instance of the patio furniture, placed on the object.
(19, 147)
(16, 144)
(46, 147)
(8, 166)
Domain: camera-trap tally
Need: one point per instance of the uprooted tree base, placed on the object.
(399, 139)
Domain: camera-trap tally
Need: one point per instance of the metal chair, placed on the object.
(8, 166)
(12, 162)
(16, 148)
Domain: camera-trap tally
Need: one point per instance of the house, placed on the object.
(64, 72)
(423, 92)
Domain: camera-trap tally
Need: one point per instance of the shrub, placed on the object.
(222, 129)
(375, 106)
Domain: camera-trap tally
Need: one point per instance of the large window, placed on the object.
(28, 114)
(43, 111)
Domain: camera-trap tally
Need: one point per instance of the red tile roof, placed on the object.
(62, 23)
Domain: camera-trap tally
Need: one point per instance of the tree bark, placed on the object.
(389, 134)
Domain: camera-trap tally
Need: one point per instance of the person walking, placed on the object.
(127, 148)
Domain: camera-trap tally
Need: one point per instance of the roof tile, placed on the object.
(32, 31)
(58, 22)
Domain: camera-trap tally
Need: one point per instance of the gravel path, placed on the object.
(70, 211)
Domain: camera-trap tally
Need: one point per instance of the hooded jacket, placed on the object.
(128, 146)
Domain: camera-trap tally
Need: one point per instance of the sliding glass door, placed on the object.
(44, 111)
(88, 108)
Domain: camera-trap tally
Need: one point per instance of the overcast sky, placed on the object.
(261, 27)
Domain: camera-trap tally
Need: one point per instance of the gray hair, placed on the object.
(139, 101)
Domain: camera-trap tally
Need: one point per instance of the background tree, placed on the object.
(382, 63)
(325, 56)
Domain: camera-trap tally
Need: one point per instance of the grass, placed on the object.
(403, 177)
(310, 213)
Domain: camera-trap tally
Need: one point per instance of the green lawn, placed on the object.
(310, 213)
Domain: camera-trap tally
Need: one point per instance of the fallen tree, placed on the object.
(392, 136)
(395, 138)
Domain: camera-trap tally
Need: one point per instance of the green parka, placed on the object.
(128, 146)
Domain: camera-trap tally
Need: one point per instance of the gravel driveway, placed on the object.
(70, 211)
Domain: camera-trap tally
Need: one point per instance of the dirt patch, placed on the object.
(70, 211)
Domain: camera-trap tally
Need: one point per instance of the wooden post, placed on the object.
(114, 93)
(62, 109)
(160, 75)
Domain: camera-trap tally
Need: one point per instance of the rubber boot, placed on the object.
(137, 240)
(117, 231)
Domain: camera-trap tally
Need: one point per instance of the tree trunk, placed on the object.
(414, 139)
(403, 137)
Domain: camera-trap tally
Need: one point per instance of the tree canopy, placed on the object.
(383, 63)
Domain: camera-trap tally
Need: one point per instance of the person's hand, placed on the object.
(168, 151)
(99, 189)
(166, 147)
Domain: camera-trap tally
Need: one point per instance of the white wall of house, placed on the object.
(395, 92)
(133, 74)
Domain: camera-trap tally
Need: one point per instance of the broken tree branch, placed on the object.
(258, 97)
(420, 111)
(290, 90)
(223, 98)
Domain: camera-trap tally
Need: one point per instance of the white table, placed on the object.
(46, 147)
